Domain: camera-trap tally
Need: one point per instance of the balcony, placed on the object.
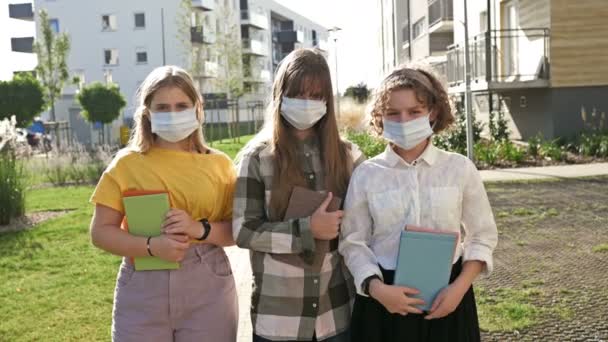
(21, 11)
(257, 76)
(290, 37)
(254, 47)
(210, 70)
(200, 35)
(257, 20)
(23, 44)
(441, 16)
(204, 5)
(519, 58)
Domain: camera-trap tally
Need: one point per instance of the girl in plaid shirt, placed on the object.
(302, 290)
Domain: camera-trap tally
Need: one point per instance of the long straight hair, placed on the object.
(300, 72)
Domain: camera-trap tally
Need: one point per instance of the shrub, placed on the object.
(368, 143)
(455, 138)
(12, 181)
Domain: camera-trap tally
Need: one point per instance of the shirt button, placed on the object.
(311, 176)
(307, 154)
(314, 305)
(316, 281)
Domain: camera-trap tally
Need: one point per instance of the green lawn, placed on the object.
(54, 285)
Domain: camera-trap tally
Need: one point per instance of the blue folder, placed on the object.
(425, 262)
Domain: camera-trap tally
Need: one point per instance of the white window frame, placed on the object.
(112, 24)
(117, 58)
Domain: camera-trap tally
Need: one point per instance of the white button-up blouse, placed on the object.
(439, 190)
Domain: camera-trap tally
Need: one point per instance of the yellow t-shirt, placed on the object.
(200, 184)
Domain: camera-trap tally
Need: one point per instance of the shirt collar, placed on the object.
(429, 155)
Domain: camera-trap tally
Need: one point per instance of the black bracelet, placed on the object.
(148, 246)
(366, 283)
(206, 229)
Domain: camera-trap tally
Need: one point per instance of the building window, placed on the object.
(418, 28)
(140, 20)
(405, 33)
(54, 24)
(108, 22)
(141, 57)
(110, 56)
(483, 21)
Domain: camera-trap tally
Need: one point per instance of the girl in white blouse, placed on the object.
(414, 183)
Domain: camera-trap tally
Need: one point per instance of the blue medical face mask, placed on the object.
(302, 113)
(408, 134)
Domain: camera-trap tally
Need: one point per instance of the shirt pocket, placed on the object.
(388, 210)
(445, 207)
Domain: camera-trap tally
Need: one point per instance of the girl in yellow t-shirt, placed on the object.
(196, 302)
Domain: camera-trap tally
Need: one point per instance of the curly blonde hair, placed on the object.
(427, 88)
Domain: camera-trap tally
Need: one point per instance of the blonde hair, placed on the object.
(142, 137)
(300, 71)
(428, 90)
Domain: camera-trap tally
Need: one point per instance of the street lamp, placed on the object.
(335, 30)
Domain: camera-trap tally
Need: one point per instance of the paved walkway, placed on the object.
(239, 258)
(546, 172)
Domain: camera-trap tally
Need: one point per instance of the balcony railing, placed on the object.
(256, 75)
(516, 55)
(254, 47)
(292, 36)
(440, 10)
(210, 69)
(205, 5)
(200, 35)
(257, 20)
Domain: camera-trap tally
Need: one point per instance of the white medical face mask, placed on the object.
(302, 114)
(409, 134)
(174, 126)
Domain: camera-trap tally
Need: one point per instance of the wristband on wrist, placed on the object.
(148, 246)
(206, 229)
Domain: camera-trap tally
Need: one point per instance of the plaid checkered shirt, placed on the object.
(292, 299)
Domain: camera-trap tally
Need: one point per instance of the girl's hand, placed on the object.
(169, 247)
(325, 225)
(395, 298)
(446, 301)
(179, 222)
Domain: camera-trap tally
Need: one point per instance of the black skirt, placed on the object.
(371, 322)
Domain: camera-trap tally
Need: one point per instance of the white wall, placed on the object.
(14, 28)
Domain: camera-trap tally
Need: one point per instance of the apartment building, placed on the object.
(270, 31)
(122, 41)
(541, 62)
(416, 31)
(16, 38)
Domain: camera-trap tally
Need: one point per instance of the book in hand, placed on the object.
(145, 213)
(304, 202)
(425, 261)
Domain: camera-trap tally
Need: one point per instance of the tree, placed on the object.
(226, 50)
(52, 50)
(23, 97)
(101, 103)
(359, 92)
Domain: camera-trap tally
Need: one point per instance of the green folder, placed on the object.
(425, 262)
(145, 217)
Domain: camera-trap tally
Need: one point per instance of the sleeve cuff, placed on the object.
(308, 241)
(481, 253)
(360, 278)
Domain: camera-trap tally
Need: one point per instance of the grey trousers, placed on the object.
(197, 302)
